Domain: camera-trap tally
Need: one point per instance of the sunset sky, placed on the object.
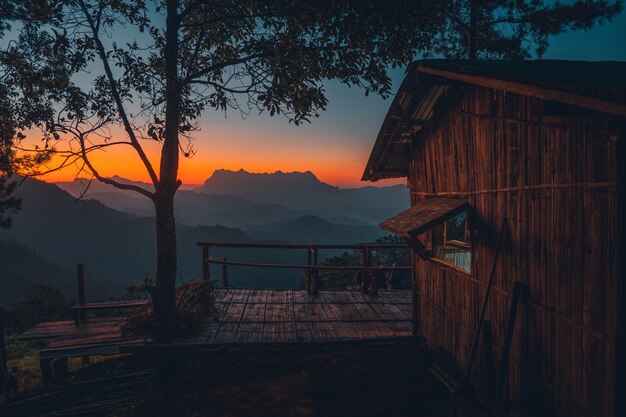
(336, 145)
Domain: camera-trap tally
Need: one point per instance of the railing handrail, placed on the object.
(302, 245)
(312, 268)
(316, 267)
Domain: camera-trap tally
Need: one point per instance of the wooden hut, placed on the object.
(535, 149)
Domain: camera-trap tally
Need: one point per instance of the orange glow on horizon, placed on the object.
(253, 151)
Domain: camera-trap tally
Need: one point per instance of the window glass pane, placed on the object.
(449, 242)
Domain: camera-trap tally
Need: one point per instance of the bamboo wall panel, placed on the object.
(553, 180)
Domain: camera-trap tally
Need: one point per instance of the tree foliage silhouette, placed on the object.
(21, 106)
(179, 58)
(513, 29)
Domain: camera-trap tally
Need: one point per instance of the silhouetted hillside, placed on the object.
(303, 190)
(84, 186)
(21, 267)
(117, 248)
(313, 229)
(245, 200)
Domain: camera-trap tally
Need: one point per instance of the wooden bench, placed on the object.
(83, 339)
(104, 305)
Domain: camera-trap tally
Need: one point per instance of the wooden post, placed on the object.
(59, 368)
(46, 370)
(315, 273)
(375, 277)
(224, 274)
(4, 370)
(80, 278)
(205, 263)
(366, 273)
(309, 271)
(414, 297)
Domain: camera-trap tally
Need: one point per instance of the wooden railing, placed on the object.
(312, 267)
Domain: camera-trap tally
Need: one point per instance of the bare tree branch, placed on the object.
(221, 65)
(117, 98)
(110, 181)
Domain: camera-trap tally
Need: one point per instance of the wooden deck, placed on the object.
(249, 316)
(286, 316)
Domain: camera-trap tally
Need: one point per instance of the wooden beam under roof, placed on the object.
(580, 100)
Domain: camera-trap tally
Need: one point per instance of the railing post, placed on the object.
(309, 271)
(366, 273)
(224, 273)
(205, 263)
(374, 279)
(80, 279)
(316, 278)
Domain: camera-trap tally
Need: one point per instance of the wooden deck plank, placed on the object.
(51, 330)
(111, 305)
(254, 316)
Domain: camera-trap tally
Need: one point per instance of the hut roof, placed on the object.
(432, 85)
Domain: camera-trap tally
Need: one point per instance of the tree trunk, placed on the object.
(165, 292)
(472, 41)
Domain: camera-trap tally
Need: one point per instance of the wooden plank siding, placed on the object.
(553, 180)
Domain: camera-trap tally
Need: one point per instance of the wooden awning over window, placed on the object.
(424, 215)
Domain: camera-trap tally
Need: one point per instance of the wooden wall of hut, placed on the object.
(553, 180)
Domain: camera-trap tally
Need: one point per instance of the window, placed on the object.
(439, 229)
(449, 242)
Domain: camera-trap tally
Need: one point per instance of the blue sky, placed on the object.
(349, 126)
(334, 146)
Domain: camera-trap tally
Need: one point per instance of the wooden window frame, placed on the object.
(440, 262)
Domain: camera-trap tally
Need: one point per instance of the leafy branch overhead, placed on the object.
(265, 56)
(513, 29)
(130, 73)
(23, 99)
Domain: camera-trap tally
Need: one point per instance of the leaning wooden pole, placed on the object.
(480, 324)
(483, 310)
(519, 292)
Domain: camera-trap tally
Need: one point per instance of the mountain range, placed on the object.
(250, 201)
(112, 233)
(117, 248)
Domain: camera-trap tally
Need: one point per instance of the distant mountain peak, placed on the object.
(241, 173)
